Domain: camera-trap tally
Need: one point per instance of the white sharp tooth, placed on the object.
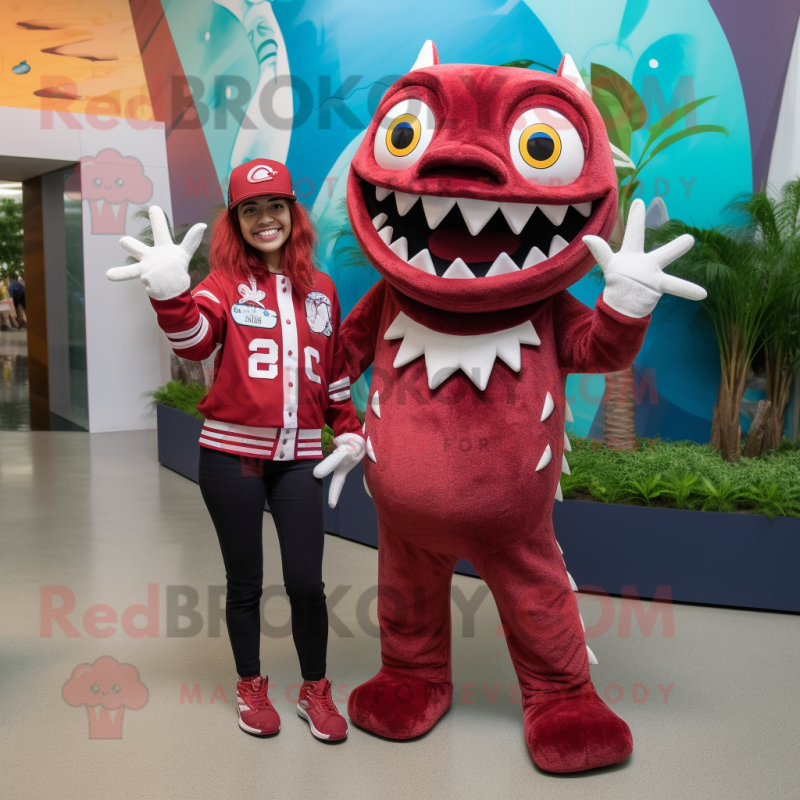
(573, 585)
(568, 413)
(555, 214)
(557, 245)
(583, 208)
(458, 269)
(564, 465)
(379, 220)
(405, 202)
(560, 498)
(400, 248)
(366, 488)
(376, 406)
(549, 405)
(534, 257)
(436, 208)
(381, 193)
(423, 261)
(476, 213)
(545, 459)
(371, 451)
(567, 445)
(386, 234)
(592, 657)
(503, 265)
(517, 214)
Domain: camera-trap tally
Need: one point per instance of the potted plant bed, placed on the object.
(745, 560)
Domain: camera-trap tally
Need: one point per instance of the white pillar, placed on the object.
(126, 354)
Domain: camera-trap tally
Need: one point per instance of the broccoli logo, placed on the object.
(106, 688)
(109, 181)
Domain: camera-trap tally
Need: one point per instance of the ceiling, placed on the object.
(13, 168)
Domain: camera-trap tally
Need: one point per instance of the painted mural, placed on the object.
(298, 81)
(70, 55)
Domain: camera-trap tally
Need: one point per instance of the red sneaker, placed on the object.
(317, 707)
(256, 713)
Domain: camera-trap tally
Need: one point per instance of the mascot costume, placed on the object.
(480, 194)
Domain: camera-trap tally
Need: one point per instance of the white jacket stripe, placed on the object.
(340, 384)
(186, 334)
(195, 340)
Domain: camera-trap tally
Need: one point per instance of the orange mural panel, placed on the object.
(80, 56)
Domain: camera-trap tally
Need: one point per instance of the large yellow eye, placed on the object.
(540, 145)
(545, 147)
(403, 135)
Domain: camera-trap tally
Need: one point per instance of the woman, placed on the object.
(279, 375)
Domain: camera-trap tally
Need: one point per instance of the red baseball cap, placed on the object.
(259, 177)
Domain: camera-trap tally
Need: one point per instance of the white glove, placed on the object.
(164, 267)
(350, 449)
(635, 280)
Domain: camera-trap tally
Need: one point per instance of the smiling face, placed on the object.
(265, 222)
(474, 185)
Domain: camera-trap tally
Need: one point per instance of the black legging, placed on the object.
(234, 488)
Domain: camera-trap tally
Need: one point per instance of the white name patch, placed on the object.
(253, 316)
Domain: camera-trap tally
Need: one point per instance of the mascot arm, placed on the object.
(602, 340)
(340, 414)
(359, 331)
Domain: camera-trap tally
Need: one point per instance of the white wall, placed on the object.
(126, 352)
(785, 161)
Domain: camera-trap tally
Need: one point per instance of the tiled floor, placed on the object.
(90, 523)
(14, 408)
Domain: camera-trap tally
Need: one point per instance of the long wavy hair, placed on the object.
(229, 252)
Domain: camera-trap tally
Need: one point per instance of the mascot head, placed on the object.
(474, 185)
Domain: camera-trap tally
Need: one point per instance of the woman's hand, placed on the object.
(350, 449)
(164, 267)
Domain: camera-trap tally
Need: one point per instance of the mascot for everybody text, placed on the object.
(480, 194)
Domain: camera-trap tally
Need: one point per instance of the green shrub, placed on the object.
(684, 475)
(180, 395)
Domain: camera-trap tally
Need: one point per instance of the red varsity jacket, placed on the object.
(280, 373)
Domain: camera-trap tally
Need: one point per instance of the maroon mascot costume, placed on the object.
(480, 194)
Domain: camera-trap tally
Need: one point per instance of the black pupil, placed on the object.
(540, 146)
(402, 135)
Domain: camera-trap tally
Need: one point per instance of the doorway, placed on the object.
(43, 385)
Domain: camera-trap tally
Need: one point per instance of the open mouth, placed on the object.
(455, 237)
(267, 235)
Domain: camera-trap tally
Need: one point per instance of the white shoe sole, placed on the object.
(301, 712)
(247, 729)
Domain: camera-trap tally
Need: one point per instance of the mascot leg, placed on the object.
(568, 727)
(413, 688)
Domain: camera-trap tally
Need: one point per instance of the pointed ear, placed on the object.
(568, 70)
(428, 56)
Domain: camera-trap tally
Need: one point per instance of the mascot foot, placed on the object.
(399, 706)
(577, 733)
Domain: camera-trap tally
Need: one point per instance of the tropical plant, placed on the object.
(623, 112)
(774, 229)
(740, 295)
(11, 253)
